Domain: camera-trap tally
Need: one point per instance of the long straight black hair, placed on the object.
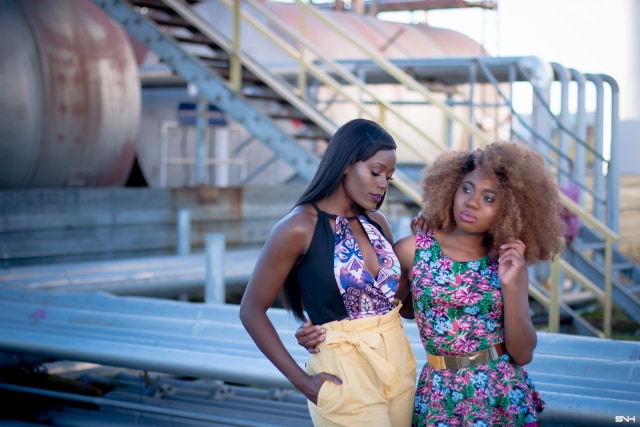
(355, 141)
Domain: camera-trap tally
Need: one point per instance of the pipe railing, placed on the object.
(558, 265)
(397, 73)
(309, 66)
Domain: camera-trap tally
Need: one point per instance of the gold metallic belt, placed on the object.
(461, 362)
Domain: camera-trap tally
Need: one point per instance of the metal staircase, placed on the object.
(171, 29)
(587, 256)
(592, 262)
(266, 102)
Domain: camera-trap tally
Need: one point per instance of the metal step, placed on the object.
(622, 294)
(209, 82)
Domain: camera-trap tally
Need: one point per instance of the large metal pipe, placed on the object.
(631, 106)
(588, 380)
(71, 96)
(145, 408)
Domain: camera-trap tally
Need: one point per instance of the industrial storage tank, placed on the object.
(70, 97)
(74, 113)
(393, 40)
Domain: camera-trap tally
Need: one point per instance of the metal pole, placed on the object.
(613, 173)
(214, 289)
(540, 74)
(554, 304)
(184, 231)
(601, 157)
(565, 172)
(222, 165)
(164, 141)
(201, 138)
(580, 163)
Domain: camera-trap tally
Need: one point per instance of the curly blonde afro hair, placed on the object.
(531, 208)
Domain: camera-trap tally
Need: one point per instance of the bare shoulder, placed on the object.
(405, 250)
(407, 243)
(378, 217)
(296, 227)
(408, 240)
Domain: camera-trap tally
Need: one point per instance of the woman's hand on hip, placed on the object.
(311, 388)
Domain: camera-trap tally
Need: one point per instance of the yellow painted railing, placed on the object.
(397, 73)
(307, 66)
(560, 269)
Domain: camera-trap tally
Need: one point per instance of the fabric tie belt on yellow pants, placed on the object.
(373, 358)
(364, 342)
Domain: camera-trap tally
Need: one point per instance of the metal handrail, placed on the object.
(166, 160)
(274, 82)
(324, 77)
(397, 73)
(278, 85)
(610, 238)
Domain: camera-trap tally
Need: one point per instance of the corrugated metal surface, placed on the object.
(157, 276)
(585, 381)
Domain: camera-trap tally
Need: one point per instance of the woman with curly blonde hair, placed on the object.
(488, 214)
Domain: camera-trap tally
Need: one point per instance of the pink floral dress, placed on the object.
(458, 307)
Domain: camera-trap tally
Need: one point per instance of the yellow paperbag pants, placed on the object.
(373, 358)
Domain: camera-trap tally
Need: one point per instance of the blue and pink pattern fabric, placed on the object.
(364, 295)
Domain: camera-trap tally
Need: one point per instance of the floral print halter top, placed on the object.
(363, 294)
